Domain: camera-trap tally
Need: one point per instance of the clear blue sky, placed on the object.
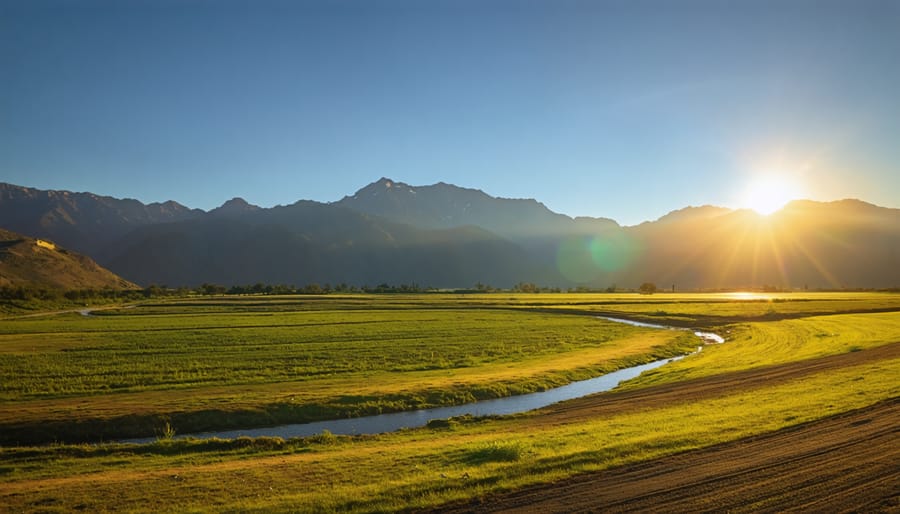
(624, 109)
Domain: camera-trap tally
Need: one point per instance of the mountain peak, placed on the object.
(691, 212)
(384, 185)
(442, 205)
(233, 207)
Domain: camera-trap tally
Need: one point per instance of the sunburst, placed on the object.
(770, 192)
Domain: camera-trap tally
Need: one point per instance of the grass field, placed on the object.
(246, 355)
(205, 365)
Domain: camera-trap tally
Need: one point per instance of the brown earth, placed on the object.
(701, 321)
(664, 395)
(845, 463)
(35, 263)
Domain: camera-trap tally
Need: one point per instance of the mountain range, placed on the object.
(442, 235)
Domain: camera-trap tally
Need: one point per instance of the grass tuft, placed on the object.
(497, 451)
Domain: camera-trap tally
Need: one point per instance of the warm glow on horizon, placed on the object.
(769, 193)
(749, 295)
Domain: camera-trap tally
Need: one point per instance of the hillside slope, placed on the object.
(36, 263)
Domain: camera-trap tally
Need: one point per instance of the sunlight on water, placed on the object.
(746, 295)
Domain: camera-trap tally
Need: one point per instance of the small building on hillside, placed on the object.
(45, 244)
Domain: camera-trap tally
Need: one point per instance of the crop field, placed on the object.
(791, 363)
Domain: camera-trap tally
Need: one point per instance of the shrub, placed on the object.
(497, 452)
(167, 433)
(326, 438)
(441, 423)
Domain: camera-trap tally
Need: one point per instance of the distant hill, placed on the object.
(38, 263)
(447, 236)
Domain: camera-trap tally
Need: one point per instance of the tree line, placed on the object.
(36, 293)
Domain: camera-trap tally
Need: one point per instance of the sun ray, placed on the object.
(778, 261)
(728, 263)
(754, 277)
(817, 264)
(810, 255)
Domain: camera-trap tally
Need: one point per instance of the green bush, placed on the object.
(497, 452)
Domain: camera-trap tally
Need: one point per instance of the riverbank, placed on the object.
(514, 404)
(468, 464)
(130, 373)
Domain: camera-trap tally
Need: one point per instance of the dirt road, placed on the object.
(845, 463)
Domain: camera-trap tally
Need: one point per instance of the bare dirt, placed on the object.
(663, 395)
(845, 463)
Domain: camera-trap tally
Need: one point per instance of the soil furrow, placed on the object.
(846, 462)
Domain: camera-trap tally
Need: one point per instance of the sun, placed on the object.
(770, 192)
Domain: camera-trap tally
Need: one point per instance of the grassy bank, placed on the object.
(207, 365)
(753, 345)
(413, 469)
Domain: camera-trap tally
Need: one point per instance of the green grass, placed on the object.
(702, 310)
(508, 347)
(201, 365)
(419, 468)
(764, 344)
(77, 355)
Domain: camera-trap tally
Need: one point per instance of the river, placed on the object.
(418, 418)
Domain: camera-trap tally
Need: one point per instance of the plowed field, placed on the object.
(845, 463)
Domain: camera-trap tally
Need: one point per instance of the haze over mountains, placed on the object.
(447, 236)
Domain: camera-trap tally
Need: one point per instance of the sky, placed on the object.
(625, 109)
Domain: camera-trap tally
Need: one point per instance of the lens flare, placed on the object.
(613, 251)
(588, 259)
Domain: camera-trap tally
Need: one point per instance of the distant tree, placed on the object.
(647, 288)
(211, 289)
(526, 287)
(312, 289)
(153, 290)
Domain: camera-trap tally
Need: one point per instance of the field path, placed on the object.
(84, 311)
(664, 395)
(847, 462)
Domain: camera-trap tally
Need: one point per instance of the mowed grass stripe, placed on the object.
(529, 373)
(754, 345)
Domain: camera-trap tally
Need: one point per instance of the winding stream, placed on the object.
(707, 337)
(418, 418)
